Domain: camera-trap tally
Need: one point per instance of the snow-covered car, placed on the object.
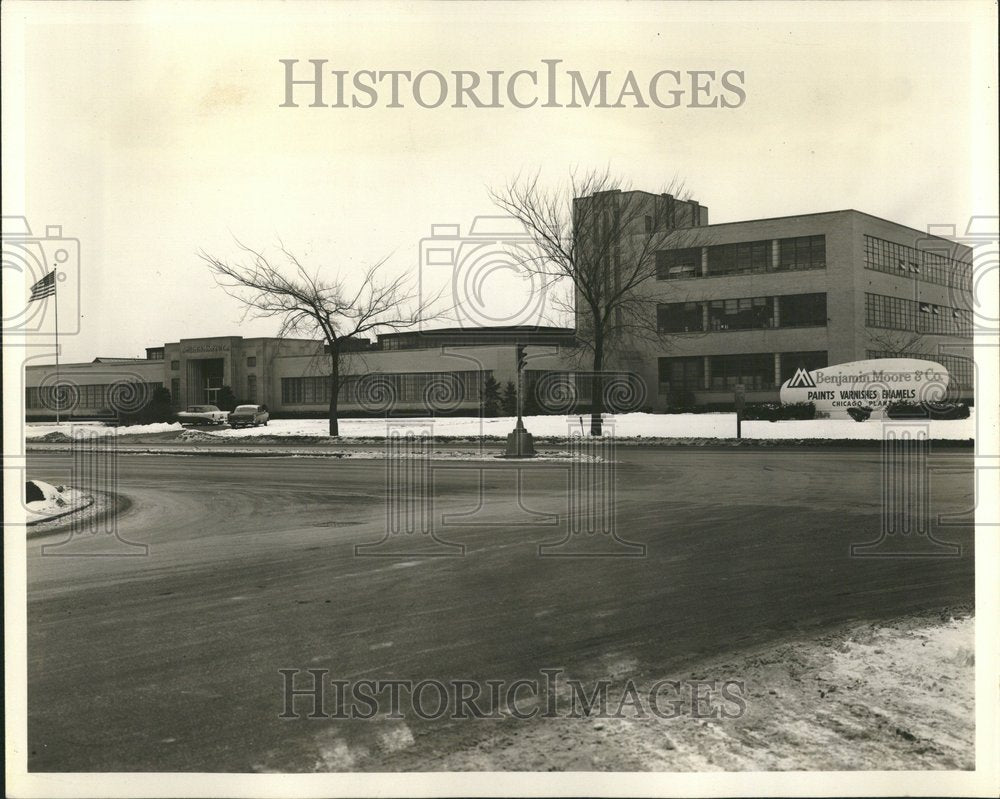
(202, 414)
(249, 416)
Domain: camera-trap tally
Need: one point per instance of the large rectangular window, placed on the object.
(755, 371)
(432, 389)
(896, 313)
(672, 264)
(681, 374)
(744, 257)
(679, 317)
(802, 310)
(932, 266)
(747, 313)
(802, 252)
(69, 397)
(750, 256)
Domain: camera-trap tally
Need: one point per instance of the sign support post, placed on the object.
(739, 398)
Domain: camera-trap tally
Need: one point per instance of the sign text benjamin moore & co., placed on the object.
(867, 384)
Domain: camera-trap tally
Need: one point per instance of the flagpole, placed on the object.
(55, 294)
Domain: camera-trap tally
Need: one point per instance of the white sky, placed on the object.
(151, 131)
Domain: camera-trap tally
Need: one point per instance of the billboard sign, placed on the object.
(872, 384)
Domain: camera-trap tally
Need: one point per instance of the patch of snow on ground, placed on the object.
(35, 430)
(896, 695)
(629, 425)
(57, 504)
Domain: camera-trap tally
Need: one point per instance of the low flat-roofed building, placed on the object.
(410, 372)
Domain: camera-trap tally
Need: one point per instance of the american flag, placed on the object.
(45, 287)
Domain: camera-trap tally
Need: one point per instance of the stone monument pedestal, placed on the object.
(520, 444)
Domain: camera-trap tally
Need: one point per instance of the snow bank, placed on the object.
(892, 696)
(55, 501)
(629, 425)
(37, 430)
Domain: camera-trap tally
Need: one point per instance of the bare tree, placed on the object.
(602, 238)
(334, 309)
(896, 344)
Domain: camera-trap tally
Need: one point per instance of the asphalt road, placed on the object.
(169, 661)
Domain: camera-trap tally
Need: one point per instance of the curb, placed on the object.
(87, 504)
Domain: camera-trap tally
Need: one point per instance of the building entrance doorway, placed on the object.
(205, 377)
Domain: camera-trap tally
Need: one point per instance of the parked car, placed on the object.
(202, 414)
(249, 416)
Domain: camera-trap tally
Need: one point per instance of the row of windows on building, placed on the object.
(745, 313)
(558, 391)
(756, 371)
(123, 395)
(897, 313)
(431, 339)
(767, 255)
(929, 265)
(430, 389)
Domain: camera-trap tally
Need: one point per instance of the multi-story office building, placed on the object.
(751, 302)
(739, 303)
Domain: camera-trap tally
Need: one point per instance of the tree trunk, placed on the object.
(334, 388)
(597, 387)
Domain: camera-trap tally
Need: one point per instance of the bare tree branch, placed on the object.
(597, 234)
(310, 305)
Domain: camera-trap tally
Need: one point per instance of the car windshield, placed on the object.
(200, 409)
(246, 409)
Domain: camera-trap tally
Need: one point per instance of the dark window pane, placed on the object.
(802, 310)
(678, 263)
(754, 371)
(678, 317)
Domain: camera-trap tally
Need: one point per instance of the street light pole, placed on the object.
(520, 443)
(520, 387)
(55, 297)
